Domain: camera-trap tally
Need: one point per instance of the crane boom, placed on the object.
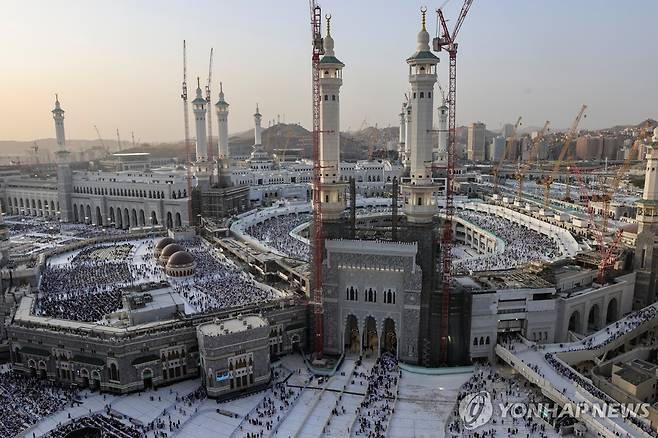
(520, 174)
(101, 140)
(188, 149)
(548, 181)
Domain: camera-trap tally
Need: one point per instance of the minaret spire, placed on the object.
(423, 11)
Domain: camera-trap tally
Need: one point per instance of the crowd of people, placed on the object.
(522, 245)
(501, 390)
(219, 284)
(27, 400)
(275, 232)
(378, 404)
(103, 425)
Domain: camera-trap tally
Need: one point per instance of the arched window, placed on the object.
(487, 341)
(333, 97)
(475, 341)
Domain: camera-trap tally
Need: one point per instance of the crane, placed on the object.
(534, 149)
(550, 178)
(35, 148)
(118, 140)
(209, 106)
(188, 151)
(316, 241)
(607, 255)
(507, 152)
(448, 42)
(132, 134)
(101, 140)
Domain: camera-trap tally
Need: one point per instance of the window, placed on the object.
(414, 94)
(326, 97)
(333, 97)
(422, 94)
(429, 94)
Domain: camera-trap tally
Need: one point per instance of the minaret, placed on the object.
(331, 78)
(442, 147)
(222, 123)
(199, 109)
(403, 133)
(646, 248)
(64, 174)
(257, 128)
(408, 140)
(420, 204)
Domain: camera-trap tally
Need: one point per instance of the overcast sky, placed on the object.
(118, 64)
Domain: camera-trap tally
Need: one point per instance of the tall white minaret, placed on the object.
(199, 109)
(64, 174)
(257, 128)
(222, 124)
(420, 204)
(58, 116)
(647, 211)
(403, 132)
(409, 140)
(331, 78)
(442, 146)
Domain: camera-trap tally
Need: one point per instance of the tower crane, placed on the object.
(511, 141)
(550, 178)
(316, 241)
(607, 254)
(118, 140)
(188, 151)
(132, 134)
(209, 106)
(534, 149)
(35, 148)
(101, 140)
(448, 42)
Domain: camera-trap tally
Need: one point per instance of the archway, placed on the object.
(154, 218)
(593, 318)
(133, 217)
(119, 219)
(370, 337)
(126, 219)
(99, 216)
(75, 214)
(95, 380)
(351, 338)
(88, 214)
(170, 220)
(84, 378)
(142, 218)
(294, 343)
(390, 337)
(178, 220)
(42, 369)
(611, 314)
(574, 322)
(112, 218)
(147, 378)
(82, 213)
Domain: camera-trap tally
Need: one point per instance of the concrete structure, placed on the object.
(636, 378)
(475, 146)
(234, 355)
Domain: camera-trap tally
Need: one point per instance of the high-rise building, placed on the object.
(507, 130)
(589, 147)
(497, 148)
(475, 143)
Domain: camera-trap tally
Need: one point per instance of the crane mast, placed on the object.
(317, 239)
(188, 151)
(548, 181)
(211, 150)
(448, 42)
(101, 140)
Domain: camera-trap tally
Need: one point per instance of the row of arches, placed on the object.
(370, 295)
(32, 207)
(122, 218)
(595, 320)
(135, 193)
(367, 339)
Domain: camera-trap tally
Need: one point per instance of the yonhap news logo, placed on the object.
(475, 410)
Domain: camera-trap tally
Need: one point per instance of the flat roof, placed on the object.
(232, 325)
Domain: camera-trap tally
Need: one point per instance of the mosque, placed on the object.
(222, 306)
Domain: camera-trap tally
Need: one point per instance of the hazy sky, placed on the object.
(118, 64)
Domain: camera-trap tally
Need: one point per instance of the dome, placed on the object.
(180, 258)
(164, 242)
(170, 249)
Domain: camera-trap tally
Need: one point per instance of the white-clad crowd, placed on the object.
(522, 245)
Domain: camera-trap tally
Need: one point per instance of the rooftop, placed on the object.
(233, 325)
